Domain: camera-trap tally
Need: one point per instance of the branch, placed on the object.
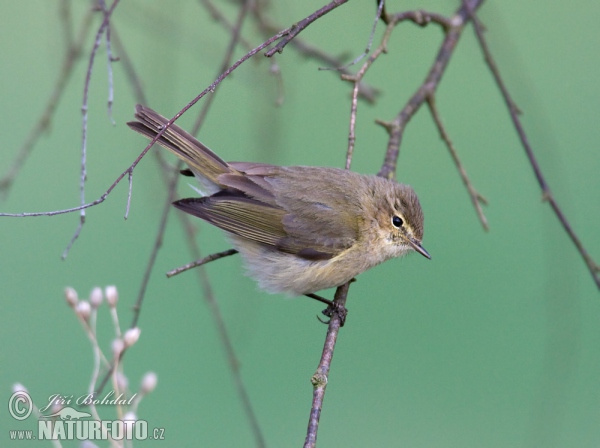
(357, 80)
(454, 28)
(320, 378)
(547, 195)
(84, 110)
(201, 261)
(476, 198)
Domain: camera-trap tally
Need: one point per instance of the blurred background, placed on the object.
(492, 343)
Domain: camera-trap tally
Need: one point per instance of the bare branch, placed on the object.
(202, 261)
(476, 198)
(84, 110)
(320, 378)
(547, 195)
(357, 80)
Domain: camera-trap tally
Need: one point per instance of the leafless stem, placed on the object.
(547, 195)
(134, 80)
(171, 188)
(202, 261)
(129, 194)
(109, 59)
(84, 109)
(476, 198)
(321, 376)
(357, 79)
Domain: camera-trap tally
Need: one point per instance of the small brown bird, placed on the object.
(299, 229)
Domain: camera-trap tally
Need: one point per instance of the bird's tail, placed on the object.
(204, 163)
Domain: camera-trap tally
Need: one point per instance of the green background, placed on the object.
(493, 343)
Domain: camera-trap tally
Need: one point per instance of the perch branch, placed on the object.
(321, 377)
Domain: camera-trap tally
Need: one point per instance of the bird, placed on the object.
(299, 229)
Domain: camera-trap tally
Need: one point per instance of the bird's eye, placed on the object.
(397, 221)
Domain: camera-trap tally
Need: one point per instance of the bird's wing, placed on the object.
(266, 224)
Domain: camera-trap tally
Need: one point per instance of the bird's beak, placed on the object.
(417, 246)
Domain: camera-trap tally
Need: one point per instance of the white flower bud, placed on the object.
(131, 336)
(71, 296)
(56, 407)
(149, 382)
(130, 416)
(84, 309)
(117, 347)
(18, 387)
(122, 381)
(96, 297)
(129, 419)
(87, 444)
(112, 296)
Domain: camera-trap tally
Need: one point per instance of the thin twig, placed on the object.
(84, 110)
(171, 189)
(109, 59)
(476, 198)
(369, 44)
(357, 79)
(134, 79)
(321, 376)
(547, 195)
(129, 194)
(202, 261)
